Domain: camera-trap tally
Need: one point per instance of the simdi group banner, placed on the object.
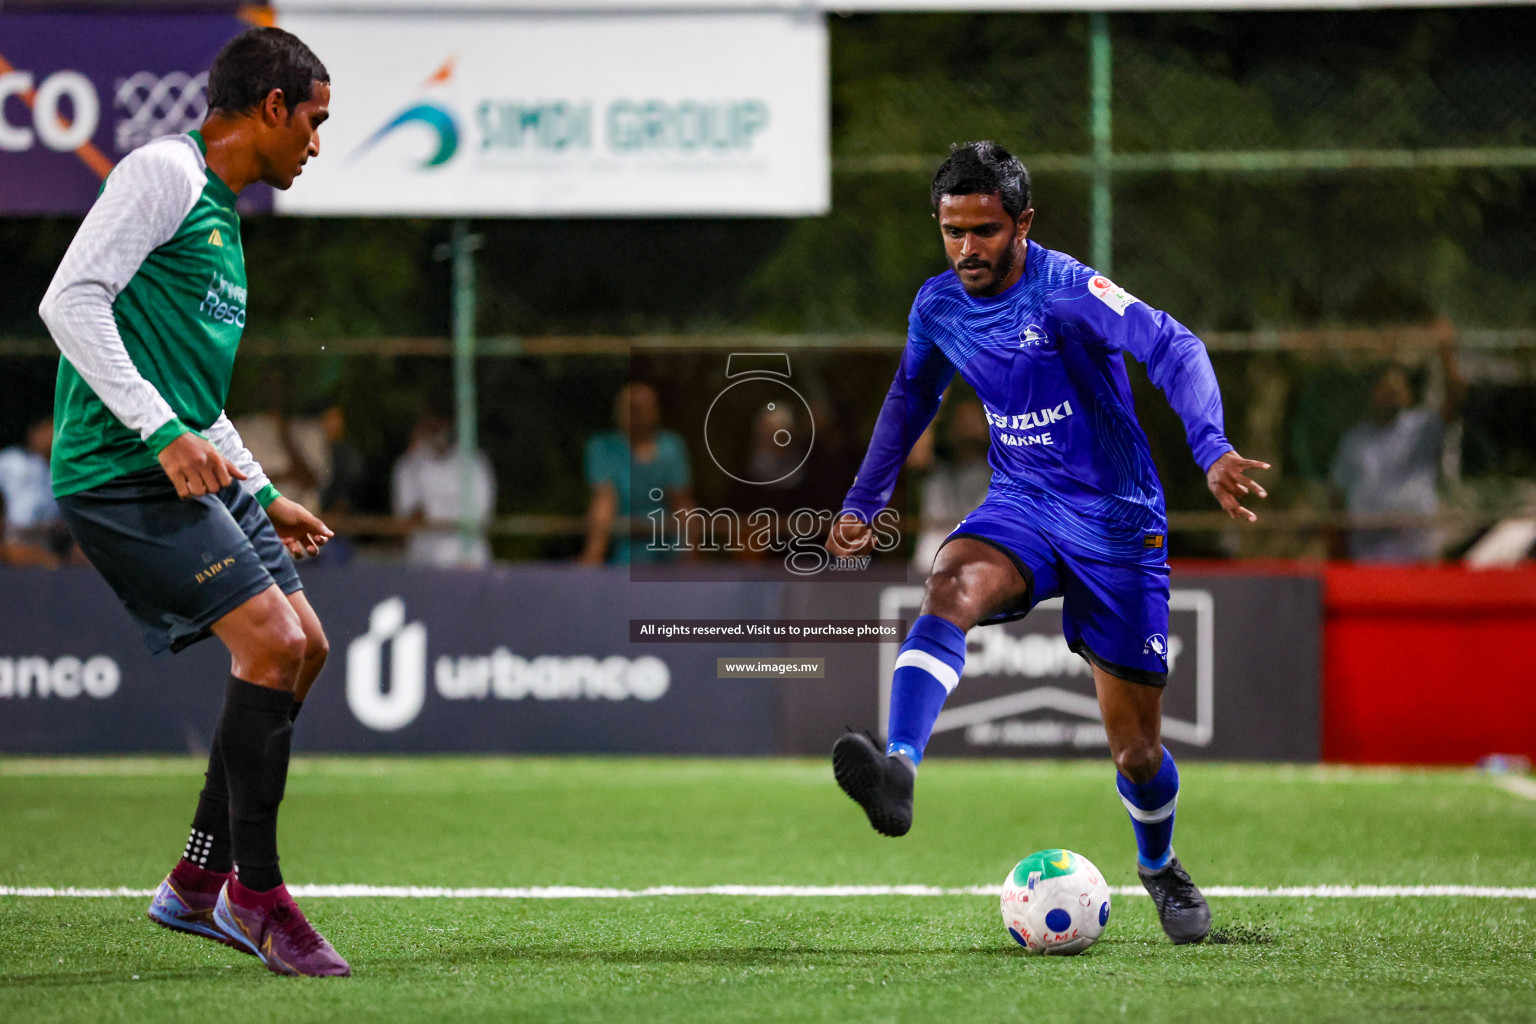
(569, 115)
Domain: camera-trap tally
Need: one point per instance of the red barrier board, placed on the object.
(1428, 665)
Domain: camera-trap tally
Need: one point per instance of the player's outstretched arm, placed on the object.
(1228, 480)
(1100, 312)
(909, 407)
(850, 535)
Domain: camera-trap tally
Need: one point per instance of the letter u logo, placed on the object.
(372, 706)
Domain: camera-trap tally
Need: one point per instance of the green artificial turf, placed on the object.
(633, 823)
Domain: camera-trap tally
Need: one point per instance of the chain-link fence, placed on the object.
(1324, 197)
(1327, 198)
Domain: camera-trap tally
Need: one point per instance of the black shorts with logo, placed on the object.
(178, 565)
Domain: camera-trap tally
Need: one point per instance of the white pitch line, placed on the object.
(1336, 892)
(1519, 785)
(571, 892)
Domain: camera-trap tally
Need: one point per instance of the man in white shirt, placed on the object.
(31, 532)
(1388, 464)
(26, 483)
(428, 482)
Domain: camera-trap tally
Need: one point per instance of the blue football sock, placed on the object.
(927, 669)
(1151, 805)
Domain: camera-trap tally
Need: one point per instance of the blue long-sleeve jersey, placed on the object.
(1044, 358)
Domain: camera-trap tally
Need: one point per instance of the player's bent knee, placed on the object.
(947, 596)
(1139, 761)
(317, 648)
(280, 655)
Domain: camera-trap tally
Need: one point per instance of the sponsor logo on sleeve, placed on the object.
(1111, 294)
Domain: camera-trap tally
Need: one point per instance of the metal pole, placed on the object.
(466, 417)
(1101, 212)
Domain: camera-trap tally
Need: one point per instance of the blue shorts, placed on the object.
(1113, 581)
(178, 565)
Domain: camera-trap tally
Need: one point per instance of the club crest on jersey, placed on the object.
(1111, 294)
(1032, 336)
(216, 239)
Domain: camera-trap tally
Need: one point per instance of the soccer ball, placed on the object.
(1055, 901)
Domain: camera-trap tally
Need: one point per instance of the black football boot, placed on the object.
(1185, 915)
(881, 785)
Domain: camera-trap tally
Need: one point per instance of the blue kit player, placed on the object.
(1075, 508)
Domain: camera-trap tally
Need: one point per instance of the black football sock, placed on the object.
(293, 711)
(208, 845)
(254, 733)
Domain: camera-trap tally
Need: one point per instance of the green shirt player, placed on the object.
(147, 308)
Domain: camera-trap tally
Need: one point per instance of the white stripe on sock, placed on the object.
(947, 677)
(1154, 816)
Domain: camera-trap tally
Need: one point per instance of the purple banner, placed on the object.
(531, 658)
(80, 91)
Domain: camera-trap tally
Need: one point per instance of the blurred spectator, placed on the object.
(427, 488)
(833, 461)
(26, 482)
(772, 457)
(627, 469)
(343, 487)
(294, 452)
(777, 477)
(776, 469)
(956, 484)
(32, 533)
(1388, 464)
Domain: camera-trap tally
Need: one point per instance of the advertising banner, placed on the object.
(569, 115)
(78, 91)
(564, 659)
(532, 659)
(852, 6)
(1244, 663)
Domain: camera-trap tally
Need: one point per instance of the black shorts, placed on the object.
(178, 565)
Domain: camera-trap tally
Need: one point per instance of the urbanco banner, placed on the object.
(529, 659)
(547, 659)
(569, 115)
